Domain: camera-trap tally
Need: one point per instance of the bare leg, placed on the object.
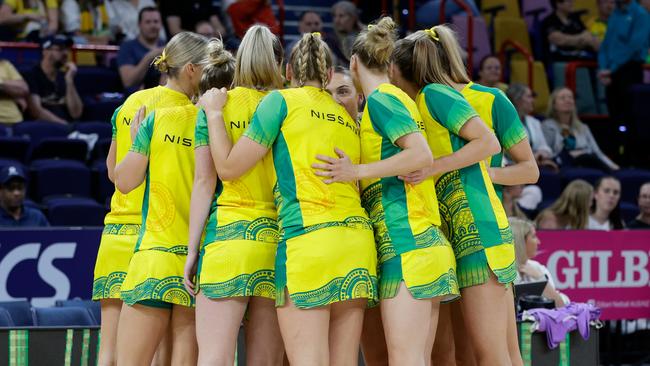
(513, 339)
(264, 345)
(485, 311)
(435, 311)
(346, 322)
(305, 334)
(135, 348)
(185, 350)
(163, 355)
(217, 327)
(403, 315)
(108, 332)
(443, 347)
(464, 351)
(373, 341)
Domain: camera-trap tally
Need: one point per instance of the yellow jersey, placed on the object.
(127, 208)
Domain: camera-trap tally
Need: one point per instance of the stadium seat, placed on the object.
(104, 188)
(62, 316)
(628, 211)
(481, 37)
(499, 8)
(14, 148)
(96, 80)
(631, 182)
(5, 319)
(20, 311)
(550, 183)
(60, 148)
(519, 73)
(98, 110)
(100, 151)
(534, 11)
(587, 8)
(74, 211)
(59, 177)
(38, 130)
(587, 174)
(7, 162)
(102, 129)
(514, 29)
(93, 307)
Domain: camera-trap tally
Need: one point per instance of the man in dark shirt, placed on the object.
(13, 213)
(53, 94)
(565, 36)
(643, 220)
(135, 56)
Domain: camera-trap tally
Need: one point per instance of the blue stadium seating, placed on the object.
(96, 80)
(62, 316)
(60, 148)
(550, 183)
(59, 177)
(93, 307)
(587, 174)
(631, 181)
(75, 211)
(628, 211)
(102, 129)
(20, 312)
(103, 187)
(5, 319)
(8, 162)
(38, 130)
(14, 148)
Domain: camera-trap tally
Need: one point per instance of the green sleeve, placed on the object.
(142, 143)
(448, 107)
(114, 123)
(201, 136)
(267, 119)
(508, 127)
(389, 116)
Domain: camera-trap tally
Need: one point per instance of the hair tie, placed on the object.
(432, 33)
(370, 26)
(160, 58)
(315, 34)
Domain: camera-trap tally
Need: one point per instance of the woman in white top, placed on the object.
(605, 210)
(526, 244)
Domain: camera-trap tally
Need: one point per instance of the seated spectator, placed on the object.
(605, 209)
(598, 25)
(489, 73)
(346, 28)
(570, 211)
(642, 221)
(124, 18)
(30, 20)
(344, 92)
(565, 36)
(188, 14)
(13, 212)
(529, 270)
(53, 94)
(85, 21)
(13, 93)
(571, 140)
(135, 56)
(309, 22)
(522, 98)
(428, 14)
(244, 13)
(205, 29)
(511, 195)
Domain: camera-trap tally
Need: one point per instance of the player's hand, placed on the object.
(136, 121)
(336, 170)
(189, 274)
(417, 176)
(213, 100)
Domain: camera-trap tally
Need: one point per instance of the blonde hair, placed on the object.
(258, 60)
(311, 59)
(374, 46)
(184, 48)
(431, 56)
(520, 230)
(219, 70)
(551, 112)
(572, 208)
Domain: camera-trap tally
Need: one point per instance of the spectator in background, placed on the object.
(53, 94)
(30, 20)
(565, 35)
(569, 139)
(13, 212)
(244, 13)
(428, 14)
(570, 211)
(13, 93)
(622, 54)
(205, 29)
(187, 14)
(489, 73)
(346, 28)
(643, 220)
(605, 208)
(85, 21)
(529, 270)
(511, 195)
(124, 18)
(135, 56)
(598, 25)
(309, 22)
(522, 98)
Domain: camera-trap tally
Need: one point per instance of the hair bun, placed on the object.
(160, 63)
(217, 55)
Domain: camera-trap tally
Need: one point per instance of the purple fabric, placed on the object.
(558, 322)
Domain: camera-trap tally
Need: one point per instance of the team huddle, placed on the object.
(322, 229)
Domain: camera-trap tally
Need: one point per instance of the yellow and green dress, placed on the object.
(122, 223)
(326, 251)
(155, 274)
(237, 255)
(500, 116)
(405, 217)
(473, 218)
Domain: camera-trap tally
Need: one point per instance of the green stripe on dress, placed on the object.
(289, 212)
(480, 205)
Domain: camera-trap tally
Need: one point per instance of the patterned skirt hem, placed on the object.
(170, 290)
(260, 284)
(108, 287)
(474, 270)
(444, 286)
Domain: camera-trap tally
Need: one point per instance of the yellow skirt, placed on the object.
(113, 257)
(237, 268)
(326, 266)
(156, 275)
